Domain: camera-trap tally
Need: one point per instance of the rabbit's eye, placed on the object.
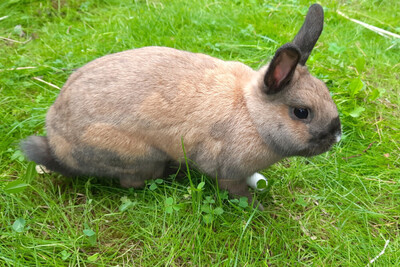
(301, 113)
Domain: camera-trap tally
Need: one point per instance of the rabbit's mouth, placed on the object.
(318, 148)
(321, 143)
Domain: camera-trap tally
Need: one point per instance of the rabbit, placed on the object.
(126, 115)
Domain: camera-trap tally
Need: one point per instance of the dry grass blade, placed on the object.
(380, 253)
(19, 68)
(49, 84)
(15, 41)
(379, 31)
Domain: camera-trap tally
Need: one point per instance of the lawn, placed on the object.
(337, 209)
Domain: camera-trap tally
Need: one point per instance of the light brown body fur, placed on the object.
(203, 103)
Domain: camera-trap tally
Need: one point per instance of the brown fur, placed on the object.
(123, 115)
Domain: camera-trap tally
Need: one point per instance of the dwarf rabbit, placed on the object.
(124, 115)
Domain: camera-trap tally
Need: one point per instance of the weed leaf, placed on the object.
(218, 211)
(126, 204)
(89, 232)
(224, 195)
(30, 172)
(300, 201)
(65, 255)
(209, 200)
(243, 202)
(159, 181)
(18, 155)
(355, 86)
(169, 209)
(208, 218)
(16, 186)
(169, 201)
(336, 49)
(19, 225)
(153, 186)
(360, 64)
(206, 208)
(93, 258)
(376, 93)
(200, 185)
(357, 112)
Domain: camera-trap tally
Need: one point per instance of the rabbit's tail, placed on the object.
(37, 149)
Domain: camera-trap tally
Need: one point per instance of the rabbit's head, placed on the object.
(292, 110)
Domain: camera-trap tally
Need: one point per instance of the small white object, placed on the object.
(42, 169)
(338, 138)
(254, 179)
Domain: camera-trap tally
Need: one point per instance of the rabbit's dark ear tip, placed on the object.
(316, 8)
(316, 5)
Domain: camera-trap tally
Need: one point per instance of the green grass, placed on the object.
(337, 209)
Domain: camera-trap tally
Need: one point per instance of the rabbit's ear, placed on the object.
(309, 32)
(281, 68)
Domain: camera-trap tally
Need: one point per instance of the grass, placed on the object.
(337, 209)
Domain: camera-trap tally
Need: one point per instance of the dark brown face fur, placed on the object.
(289, 135)
(321, 129)
(322, 139)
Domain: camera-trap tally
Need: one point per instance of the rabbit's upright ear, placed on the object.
(280, 70)
(309, 32)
